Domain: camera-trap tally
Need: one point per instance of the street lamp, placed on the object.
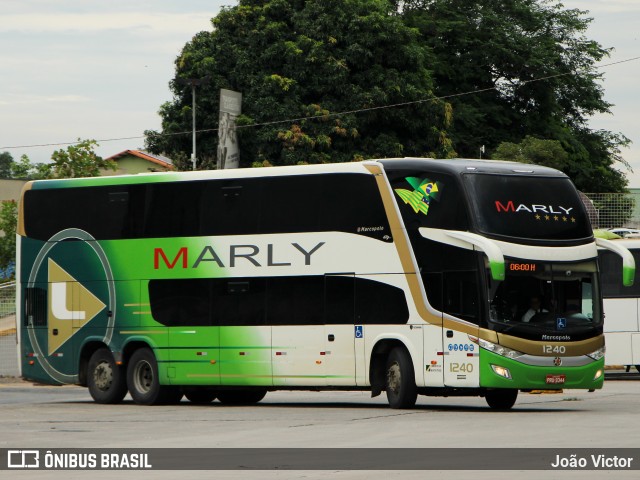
(194, 82)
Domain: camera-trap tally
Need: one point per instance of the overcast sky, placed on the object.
(86, 69)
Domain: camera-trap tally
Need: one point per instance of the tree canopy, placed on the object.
(482, 72)
(304, 61)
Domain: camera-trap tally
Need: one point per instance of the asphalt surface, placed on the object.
(58, 417)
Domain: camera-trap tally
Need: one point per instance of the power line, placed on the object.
(328, 115)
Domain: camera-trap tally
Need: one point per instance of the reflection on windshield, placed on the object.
(545, 295)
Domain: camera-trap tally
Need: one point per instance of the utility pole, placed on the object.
(194, 82)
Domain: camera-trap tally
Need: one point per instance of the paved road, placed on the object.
(48, 417)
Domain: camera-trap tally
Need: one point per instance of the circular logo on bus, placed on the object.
(69, 290)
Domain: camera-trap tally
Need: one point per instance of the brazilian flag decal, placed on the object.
(423, 192)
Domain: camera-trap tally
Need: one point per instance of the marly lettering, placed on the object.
(236, 255)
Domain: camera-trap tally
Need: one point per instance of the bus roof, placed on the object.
(466, 165)
(454, 166)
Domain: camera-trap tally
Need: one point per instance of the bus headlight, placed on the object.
(499, 349)
(598, 374)
(501, 371)
(598, 354)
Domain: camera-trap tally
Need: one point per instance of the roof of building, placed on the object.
(153, 158)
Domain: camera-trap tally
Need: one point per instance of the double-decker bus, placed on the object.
(621, 308)
(404, 276)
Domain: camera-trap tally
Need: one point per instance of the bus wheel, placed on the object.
(501, 399)
(241, 397)
(105, 379)
(200, 396)
(144, 383)
(400, 381)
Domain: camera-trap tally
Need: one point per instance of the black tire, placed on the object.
(501, 399)
(107, 381)
(143, 381)
(241, 397)
(200, 396)
(400, 381)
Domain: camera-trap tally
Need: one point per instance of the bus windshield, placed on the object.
(539, 299)
(542, 208)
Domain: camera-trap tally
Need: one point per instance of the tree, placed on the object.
(25, 170)
(533, 150)
(8, 223)
(6, 159)
(308, 61)
(78, 160)
(534, 74)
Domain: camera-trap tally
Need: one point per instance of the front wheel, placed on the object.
(144, 383)
(501, 399)
(106, 380)
(400, 379)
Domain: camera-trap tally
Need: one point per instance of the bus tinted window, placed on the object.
(528, 207)
(181, 302)
(611, 277)
(295, 300)
(348, 203)
(339, 299)
(379, 303)
(239, 301)
(428, 199)
(276, 301)
(231, 207)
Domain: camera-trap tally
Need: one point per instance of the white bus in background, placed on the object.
(621, 308)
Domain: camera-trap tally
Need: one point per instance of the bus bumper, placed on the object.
(495, 371)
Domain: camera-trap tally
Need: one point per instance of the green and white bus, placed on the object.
(404, 276)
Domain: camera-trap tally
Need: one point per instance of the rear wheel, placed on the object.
(106, 380)
(400, 379)
(501, 399)
(241, 397)
(144, 383)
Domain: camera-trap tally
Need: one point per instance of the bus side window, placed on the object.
(339, 299)
(379, 303)
(238, 301)
(180, 303)
(230, 207)
(295, 300)
(35, 311)
(461, 295)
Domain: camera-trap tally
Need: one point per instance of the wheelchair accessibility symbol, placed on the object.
(358, 332)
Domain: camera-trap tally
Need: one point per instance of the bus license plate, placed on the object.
(556, 379)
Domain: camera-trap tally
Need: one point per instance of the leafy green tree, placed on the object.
(308, 61)
(533, 150)
(25, 170)
(6, 160)
(534, 73)
(8, 223)
(79, 160)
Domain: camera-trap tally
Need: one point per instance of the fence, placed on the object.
(8, 344)
(614, 210)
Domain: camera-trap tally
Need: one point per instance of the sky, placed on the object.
(74, 69)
